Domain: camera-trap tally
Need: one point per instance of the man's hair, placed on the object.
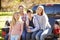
(20, 6)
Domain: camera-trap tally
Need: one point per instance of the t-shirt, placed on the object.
(16, 29)
(31, 23)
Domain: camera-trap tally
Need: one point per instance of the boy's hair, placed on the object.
(56, 23)
(29, 11)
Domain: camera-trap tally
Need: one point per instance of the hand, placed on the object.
(28, 30)
(9, 38)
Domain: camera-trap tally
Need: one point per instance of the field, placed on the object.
(3, 17)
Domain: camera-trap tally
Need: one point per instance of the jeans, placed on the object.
(34, 34)
(44, 33)
(28, 36)
(14, 37)
(38, 34)
(6, 37)
(24, 34)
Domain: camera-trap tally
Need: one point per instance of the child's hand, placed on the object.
(9, 37)
(28, 30)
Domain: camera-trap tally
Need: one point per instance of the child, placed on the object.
(30, 24)
(56, 28)
(16, 28)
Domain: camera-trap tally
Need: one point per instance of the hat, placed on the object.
(41, 7)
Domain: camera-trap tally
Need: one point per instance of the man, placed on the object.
(23, 17)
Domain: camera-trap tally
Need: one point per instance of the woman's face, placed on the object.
(39, 11)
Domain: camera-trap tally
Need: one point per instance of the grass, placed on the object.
(3, 16)
(6, 13)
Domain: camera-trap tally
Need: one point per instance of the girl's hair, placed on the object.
(13, 19)
(41, 11)
(40, 6)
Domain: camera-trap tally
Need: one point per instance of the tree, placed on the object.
(0, 4)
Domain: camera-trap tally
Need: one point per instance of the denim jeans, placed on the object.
(24, 34)
(14, 37)
(6, 37)
(34, 34)
(45, 33)
(28, 35)
(38, 34)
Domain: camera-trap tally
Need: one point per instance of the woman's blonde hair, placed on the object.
(40, 6)
(14, 20)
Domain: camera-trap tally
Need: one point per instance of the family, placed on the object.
(29, 26)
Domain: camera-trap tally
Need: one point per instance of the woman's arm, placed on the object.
(46, 21)
(10, 28)
(9, 33)
(36, 24)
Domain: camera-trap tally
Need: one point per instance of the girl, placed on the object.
(41, 23)
(16, 28)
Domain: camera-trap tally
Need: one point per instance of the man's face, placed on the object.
(21, 9)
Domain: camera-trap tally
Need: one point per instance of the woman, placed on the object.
(16, 28)
(31, 25)
(41, 23)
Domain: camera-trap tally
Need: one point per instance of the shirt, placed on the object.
(16, 29)
(40, 22)
(24, 18)
(31, 23)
